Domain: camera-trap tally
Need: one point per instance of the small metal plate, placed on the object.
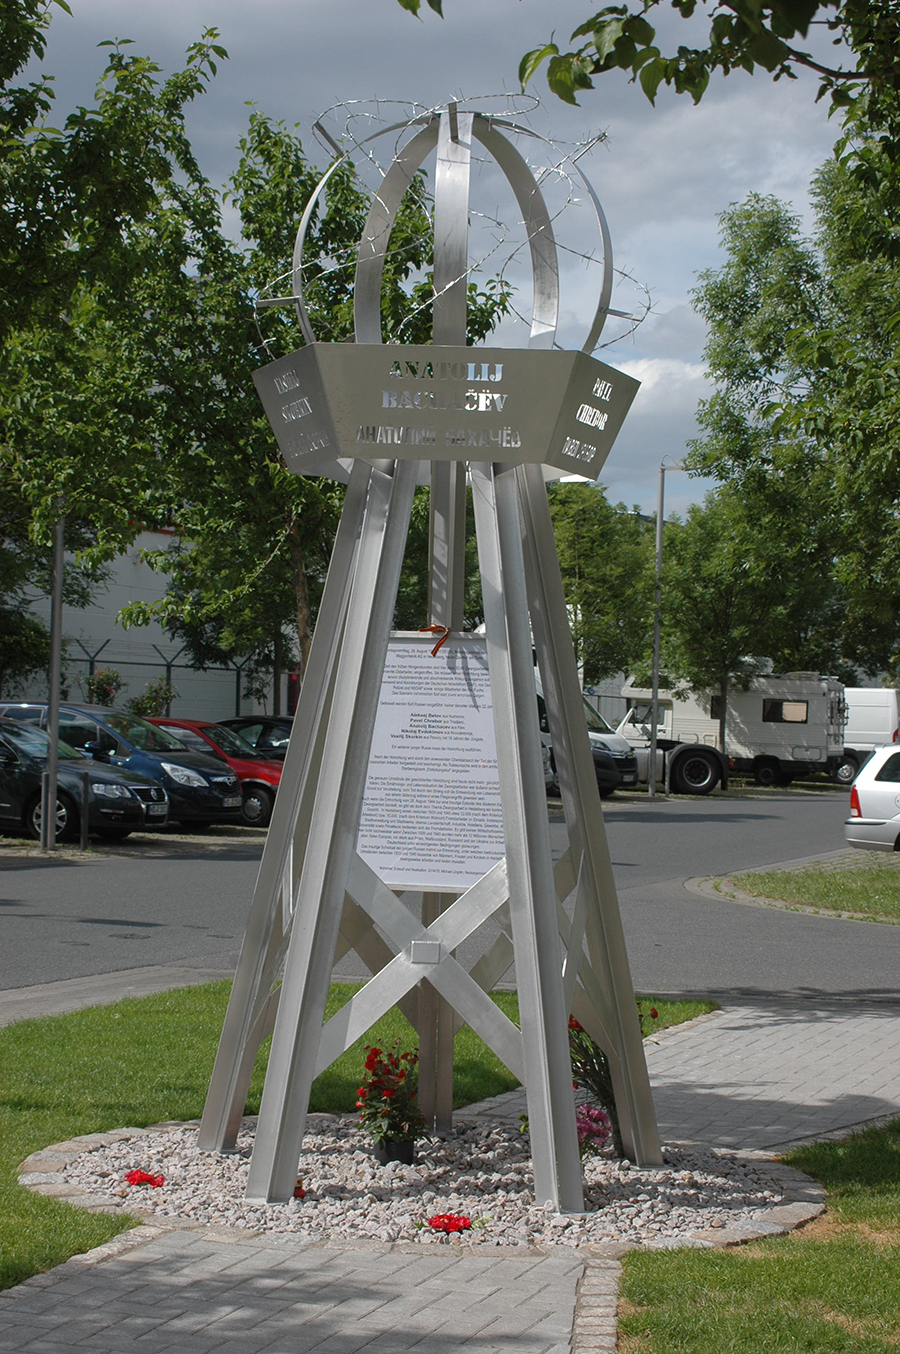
(425, 951)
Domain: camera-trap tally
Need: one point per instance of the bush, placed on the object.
(154, 698)
(101, 688)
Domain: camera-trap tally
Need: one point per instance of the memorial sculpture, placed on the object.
(384, 418)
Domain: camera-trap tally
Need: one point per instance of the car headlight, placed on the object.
(106, 791)
(183, 776)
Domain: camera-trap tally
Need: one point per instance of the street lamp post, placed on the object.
(48, 780)
(657, 613)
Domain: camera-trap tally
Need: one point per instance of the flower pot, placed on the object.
(403, 1151)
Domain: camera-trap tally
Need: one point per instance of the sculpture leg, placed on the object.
(584, 817)
(332, 834)
(548, 1078)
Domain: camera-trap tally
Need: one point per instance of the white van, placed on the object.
(873, 719)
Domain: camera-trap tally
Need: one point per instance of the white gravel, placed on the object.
(477, 1170)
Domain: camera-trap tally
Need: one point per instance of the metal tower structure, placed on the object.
(385, 417)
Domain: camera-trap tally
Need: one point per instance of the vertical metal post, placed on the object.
(48, 783)
(657, 618)
(85, 808)
(657, 627)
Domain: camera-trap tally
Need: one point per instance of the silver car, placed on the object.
(874, 822)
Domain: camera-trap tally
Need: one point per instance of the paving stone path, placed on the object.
(751, 1076)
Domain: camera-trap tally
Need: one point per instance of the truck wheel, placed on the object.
(695, 773)
(767, 772)
(846, 770)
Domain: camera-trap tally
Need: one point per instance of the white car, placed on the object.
(874, 822)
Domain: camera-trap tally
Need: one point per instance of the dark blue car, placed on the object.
(202, 789)
(119, 802)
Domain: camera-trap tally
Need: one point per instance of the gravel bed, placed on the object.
(481, 1171)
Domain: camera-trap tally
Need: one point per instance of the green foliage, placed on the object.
(155, 698)
(606, 559)
(804, 420)
(25, 566)
(102, 687)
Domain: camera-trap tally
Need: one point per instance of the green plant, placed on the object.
(387, 1104)
(101, 688)
(154, 699)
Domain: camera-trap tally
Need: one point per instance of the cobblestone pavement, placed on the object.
(186, 1292)
(754, 1076)
(750, 1076)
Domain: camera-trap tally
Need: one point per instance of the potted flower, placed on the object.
(387, 1104)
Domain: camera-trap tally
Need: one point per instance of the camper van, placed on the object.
(779, 728)
(873, 719)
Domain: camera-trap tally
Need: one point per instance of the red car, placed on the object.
(259, 776)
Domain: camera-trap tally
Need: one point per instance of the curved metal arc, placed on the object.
(302, 313)
(544, 260)
(602, 310)
(377, 230)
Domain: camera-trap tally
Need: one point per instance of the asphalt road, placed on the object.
(68, 919)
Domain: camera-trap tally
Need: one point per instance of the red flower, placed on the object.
(573, 1023)
(299, 1191)
(388, 1094)
(450, 1222)
(654, 1014)
(142, 1178)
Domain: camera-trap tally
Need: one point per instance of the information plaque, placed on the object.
(431, 816)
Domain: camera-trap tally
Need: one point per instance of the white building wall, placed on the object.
(138, 654)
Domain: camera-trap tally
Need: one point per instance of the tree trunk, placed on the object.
(723, 712)
(276, 672)
(301, 589)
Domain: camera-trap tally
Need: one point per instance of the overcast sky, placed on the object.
(663, 174)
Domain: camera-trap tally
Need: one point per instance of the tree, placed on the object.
(804, 419)
(717, 602)
(254, 540)
(742, 35)
(606, 559)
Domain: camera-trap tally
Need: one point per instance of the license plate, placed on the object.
(629, 779)
(157, 810)
(234, 802)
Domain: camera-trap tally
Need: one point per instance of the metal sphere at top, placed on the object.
(332, 403)
(451, 132)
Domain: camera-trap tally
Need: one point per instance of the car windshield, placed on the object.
(35, 743)
(229, 741)
(143, 735)
(596, 723)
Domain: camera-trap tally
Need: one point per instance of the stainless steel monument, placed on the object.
(384, 417)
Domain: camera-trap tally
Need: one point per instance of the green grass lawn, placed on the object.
(869, 884)
(146, 1060)
(832, 1286)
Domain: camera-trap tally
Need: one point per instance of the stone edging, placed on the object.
(595, 1319)
(804, 1199)
(720, 887)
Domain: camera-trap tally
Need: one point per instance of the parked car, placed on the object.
(268, 734)
(119, 801)
(259, 775)
(615, 763)
(874, 822)
(200, 788)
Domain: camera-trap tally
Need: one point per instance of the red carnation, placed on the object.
(654, 1014)
(142, 1178)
